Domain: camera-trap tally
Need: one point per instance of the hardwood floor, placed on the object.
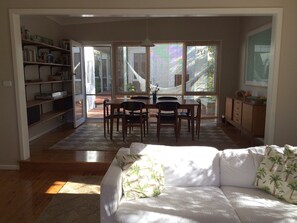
(26, 193)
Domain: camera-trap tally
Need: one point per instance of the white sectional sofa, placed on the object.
(202, 184)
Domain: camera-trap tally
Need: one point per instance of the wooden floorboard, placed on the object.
(45, 158)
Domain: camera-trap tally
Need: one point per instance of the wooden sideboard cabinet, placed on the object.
(248, 116)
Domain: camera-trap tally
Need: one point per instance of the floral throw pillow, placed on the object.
(125, 161)
(277, 173)
(143, 178)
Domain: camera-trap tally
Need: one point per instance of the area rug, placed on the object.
(90, 137)
(78, 201)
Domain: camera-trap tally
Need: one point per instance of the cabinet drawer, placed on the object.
(237, 105)
(237, 117)
(237, 111)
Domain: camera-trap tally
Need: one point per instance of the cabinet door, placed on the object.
(253, 119)
(229, 108)
(247, 117)
(79, 105)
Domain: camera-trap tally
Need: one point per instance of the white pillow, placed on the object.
(239, 166)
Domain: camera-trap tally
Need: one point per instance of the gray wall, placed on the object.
(285, 117)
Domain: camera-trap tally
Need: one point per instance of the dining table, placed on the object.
(188, 104)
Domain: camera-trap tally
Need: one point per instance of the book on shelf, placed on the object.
(50, 95)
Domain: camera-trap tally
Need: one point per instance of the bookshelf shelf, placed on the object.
(39, 81)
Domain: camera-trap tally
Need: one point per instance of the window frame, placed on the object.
(218, 61)
(116, 92)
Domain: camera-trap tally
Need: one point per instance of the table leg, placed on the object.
(192, 121)
(111, 121)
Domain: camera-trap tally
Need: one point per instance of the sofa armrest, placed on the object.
(111, 191)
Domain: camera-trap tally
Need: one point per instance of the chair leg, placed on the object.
(189, 124)
(104, 126)
(158, 131)
(197, 127)
(179, 125)
(123, 129)
(118, 123)
(141, 136)
(176, 131)
(143, 125)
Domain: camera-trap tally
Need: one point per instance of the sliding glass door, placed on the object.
(98, 82)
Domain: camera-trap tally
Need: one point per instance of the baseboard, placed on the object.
(9, 167)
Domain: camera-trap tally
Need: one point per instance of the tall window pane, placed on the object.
(166, 66)
(201, 68)
(131, 69)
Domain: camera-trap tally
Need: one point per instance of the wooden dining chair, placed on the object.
(187, 116)
(167, 98)
(133, 117)
(167, 116)
(107, 116)
(146, 113)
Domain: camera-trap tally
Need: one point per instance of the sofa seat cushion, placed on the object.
(179, 204)
(254, 205)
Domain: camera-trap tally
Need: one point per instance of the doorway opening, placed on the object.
(98, 79)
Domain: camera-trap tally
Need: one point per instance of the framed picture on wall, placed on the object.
(257, 64)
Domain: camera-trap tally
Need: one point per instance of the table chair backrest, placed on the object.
(140, 97)
(167, 98)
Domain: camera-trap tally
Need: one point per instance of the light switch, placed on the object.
(7, 83)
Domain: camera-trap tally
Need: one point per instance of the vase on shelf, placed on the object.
(154, 97)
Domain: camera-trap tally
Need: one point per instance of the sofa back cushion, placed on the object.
(239, 166)
(185, 166)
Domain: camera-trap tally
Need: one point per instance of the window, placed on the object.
(131, 69)
(198, 79)
(166, 67)
(201, 69)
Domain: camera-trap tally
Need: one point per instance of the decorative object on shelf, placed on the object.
(154, 91)
(50, 95)
(50, 58)
(240, 93)
(154, 97)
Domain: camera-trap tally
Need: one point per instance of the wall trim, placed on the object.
(9, 167)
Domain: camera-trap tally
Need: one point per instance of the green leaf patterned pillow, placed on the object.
(125, 161)
(144, 178)
(277, 173)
